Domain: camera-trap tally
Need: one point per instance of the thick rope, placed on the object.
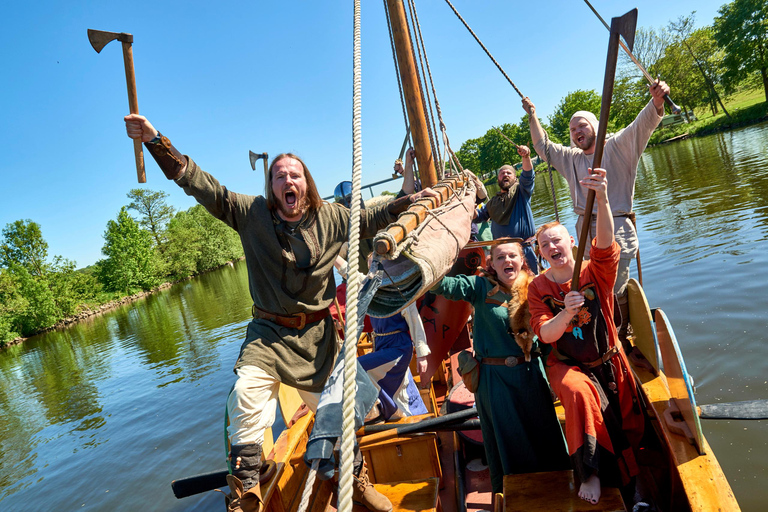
(353, 286)
(484, 48)
(308, 485)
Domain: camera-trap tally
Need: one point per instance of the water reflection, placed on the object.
(121, 387)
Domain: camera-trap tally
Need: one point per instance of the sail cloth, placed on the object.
(426, 254)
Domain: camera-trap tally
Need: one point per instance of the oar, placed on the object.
(746, 410)
(196, 484)
(624, 26)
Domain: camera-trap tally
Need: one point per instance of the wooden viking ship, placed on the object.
(420, 462)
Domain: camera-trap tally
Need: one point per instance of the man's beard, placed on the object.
(506, 185)
(301, 208)
(588, 141)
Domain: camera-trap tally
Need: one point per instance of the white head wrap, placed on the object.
(590, 118)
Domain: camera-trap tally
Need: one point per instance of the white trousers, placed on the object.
(252, 405)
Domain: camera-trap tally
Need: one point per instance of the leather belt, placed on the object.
(510, 361)
(602, 360)
(295, 321)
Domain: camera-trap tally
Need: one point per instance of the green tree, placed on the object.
(469, 155)
(741, 31)
(12, 306)
(23, 244)
(154, 212)
(131, 263)
(574, 101)
(199, 242)
(41, 310)
(71, 289)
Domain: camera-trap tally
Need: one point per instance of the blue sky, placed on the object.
(223, 78)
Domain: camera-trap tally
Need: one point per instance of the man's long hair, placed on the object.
(314, 201)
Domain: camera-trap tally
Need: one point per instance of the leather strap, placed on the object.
(297, 321)
(510, 361)
(602, 360)
(170, 160)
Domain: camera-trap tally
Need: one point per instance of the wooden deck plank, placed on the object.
(554, 491)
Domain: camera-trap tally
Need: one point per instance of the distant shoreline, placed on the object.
(105, 308)
(713, 130)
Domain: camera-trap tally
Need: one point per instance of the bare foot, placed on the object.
(590, 489)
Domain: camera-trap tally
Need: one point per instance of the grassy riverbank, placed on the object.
(745, 108)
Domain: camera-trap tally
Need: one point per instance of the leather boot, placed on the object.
(245, 491)
(240, 500)
(363, 493)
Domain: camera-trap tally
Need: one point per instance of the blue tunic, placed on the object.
(520, 222)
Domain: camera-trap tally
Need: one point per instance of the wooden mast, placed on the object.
(413, 98)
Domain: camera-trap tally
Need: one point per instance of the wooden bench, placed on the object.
(554, 491)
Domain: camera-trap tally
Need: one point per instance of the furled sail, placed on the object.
(419, 249)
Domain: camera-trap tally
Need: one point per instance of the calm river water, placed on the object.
(103, 415)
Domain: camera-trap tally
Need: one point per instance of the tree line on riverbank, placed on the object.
(158, 245)
(706, 68)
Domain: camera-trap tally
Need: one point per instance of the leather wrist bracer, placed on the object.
(171, 162)
(398, 206)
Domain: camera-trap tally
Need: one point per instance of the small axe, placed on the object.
(99, 39)
(256, 156)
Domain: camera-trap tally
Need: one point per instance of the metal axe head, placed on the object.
(256, 156)
(625, 26)
(99, 39)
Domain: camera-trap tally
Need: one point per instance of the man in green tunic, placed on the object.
(291, 239)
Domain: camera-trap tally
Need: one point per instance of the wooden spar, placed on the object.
(413, 98)
(417, 212)
(619, 26)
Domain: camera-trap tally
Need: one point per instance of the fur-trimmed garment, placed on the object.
(520, 429)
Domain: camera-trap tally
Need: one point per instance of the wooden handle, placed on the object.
(675, 109)
(133, 105)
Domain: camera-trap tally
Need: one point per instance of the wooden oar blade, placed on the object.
(746, 410)
(196, 484)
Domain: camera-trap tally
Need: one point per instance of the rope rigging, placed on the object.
(420, 75)
(484, 48)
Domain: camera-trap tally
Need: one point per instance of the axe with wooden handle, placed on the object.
(256, 156)
(620, 27)
(99, 39)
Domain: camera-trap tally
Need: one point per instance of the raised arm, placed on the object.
(537, 131)
(599, 183)
(171, 161)
(409, 180)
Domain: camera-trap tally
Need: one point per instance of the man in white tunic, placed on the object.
(621, 155)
